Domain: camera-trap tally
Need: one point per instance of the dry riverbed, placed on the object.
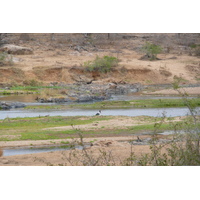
(115, 148)
(118, 148)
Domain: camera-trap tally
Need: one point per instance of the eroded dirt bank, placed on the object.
(62, 58)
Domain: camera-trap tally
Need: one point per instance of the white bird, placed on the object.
(99, 112)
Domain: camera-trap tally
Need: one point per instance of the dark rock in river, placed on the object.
(7, 106)
(93, 92)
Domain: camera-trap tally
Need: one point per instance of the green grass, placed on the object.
(163, 103)
(34, 87)
(33, 128)
(146, 103)
(28, 89)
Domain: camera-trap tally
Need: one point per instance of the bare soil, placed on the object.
(189, 91)
(54, 65)
(118, 147)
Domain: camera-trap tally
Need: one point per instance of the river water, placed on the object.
(41, 149)
(30, 100)
(154, 112)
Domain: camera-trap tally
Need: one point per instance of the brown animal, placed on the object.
(1, 152)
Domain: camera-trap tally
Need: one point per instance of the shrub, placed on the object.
(151, 50)
(32, 82)
(103, 65)
(196, 49)
(5, 59)
(184, 148)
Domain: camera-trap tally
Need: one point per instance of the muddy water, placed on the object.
(30, 98)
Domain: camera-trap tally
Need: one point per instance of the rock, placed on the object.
(4, 106)
(16, 50)
(94, 92)
(17, 105)
(112, 86)
(7, 106)
(82, 79)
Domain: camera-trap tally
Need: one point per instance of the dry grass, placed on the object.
(49, 92)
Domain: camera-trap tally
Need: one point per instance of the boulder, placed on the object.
(7, 106)
(16, 50)
(112, 86)
(82, 79)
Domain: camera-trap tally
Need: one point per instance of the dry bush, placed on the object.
(1, 152)
(5, 59)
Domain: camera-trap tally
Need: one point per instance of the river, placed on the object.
(29, 100)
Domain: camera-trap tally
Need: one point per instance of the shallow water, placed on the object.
(22, 151)
(155, 112)
(30, 100)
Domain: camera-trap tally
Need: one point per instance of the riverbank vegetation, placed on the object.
(103, 65)
(44, 128)
(145, 103)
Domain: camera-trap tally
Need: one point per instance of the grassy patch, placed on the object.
(146, 103)
(32, 128)
(29, 87)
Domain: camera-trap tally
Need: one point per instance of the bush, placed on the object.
(197, 51)
(184, 148)
(103, 65)
(151, 50)
(5, 59)
(32, 82)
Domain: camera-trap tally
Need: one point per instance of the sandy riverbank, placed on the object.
(118, 148)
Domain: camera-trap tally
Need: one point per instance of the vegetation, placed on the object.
(32, 83)
(184, 148)
(145, 103)
(196, 49)
(38, 128)
(35, 128)
(102, 65)
(30, 89)
(151, 50)
(5, 59)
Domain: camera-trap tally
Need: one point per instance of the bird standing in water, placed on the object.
(99, 112)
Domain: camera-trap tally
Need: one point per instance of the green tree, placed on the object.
(104, 64)
(151, 50)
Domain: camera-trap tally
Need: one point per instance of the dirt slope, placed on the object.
(52, 61)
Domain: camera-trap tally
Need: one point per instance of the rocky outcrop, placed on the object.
(93, 92)
(8, 106)
(15, 50)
